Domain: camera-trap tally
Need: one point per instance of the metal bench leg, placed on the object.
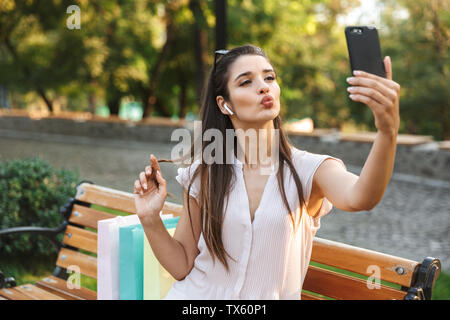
(427, 275)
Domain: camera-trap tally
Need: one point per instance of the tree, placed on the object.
(31, 38)
(418, 42)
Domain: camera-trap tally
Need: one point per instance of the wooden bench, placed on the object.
(337, 270)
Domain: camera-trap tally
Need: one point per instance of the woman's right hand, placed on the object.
(151, 192)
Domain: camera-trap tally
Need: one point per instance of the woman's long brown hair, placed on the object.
(212, 195)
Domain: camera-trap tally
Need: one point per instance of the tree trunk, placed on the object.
(113, 105)
(151, 99)
(92, 98)
(200, 45)
(44, 97)
(162, 110)
(92, 102)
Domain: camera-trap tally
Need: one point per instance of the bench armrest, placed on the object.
(6, 282)
(50, 233)
(427, 274)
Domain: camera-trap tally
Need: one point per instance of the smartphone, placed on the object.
(364, 50)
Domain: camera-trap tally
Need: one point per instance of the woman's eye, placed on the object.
(248, 81)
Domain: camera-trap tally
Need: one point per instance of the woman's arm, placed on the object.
(345, 190)
(175, 254)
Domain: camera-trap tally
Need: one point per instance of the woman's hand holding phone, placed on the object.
(380, 94)
(150, 192)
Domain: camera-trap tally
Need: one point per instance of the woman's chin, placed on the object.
(270, 113)
(266, 117)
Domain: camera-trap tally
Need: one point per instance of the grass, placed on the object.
(442, 287)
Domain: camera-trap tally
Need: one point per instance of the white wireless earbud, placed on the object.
(228, 109)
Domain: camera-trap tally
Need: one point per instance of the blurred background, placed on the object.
(142, 64)
(137, 58)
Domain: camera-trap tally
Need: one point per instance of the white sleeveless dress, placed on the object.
(271, 260)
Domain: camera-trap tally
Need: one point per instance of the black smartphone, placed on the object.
(364, 50)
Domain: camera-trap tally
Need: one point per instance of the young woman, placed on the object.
(245, 234)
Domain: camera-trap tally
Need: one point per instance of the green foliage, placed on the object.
(31, 194)
(122, 51)
(418, 44)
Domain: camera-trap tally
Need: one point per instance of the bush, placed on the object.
(31, 194)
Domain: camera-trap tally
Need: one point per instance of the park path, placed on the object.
(412, 220)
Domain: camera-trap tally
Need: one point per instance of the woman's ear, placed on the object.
(222, 105)
(228, 109)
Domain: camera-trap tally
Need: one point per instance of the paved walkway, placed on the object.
(411, 221)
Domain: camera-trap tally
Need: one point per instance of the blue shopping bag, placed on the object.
(131, 250)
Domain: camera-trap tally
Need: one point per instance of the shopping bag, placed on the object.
(108, 255)
(157, 281)
(131, 241)
(131, 264)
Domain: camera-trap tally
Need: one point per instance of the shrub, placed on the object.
(31, 194)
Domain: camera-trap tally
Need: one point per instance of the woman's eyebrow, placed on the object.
(249, 72)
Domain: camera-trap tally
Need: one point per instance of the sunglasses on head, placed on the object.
(218, 55)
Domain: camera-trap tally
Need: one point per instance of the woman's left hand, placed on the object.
(379, 94)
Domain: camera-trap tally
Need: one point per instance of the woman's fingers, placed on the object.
(375, 84)
(369, 92)
(161, 182)
(154, 163)
(149, 178)
(137, 187)
(148, 171)
(389, 83)
(143, 181)
(388, 67)
(373, 104)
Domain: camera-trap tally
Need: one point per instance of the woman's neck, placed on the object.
(258, 143)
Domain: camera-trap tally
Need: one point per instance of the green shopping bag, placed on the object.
(157, 281)
(131, 262)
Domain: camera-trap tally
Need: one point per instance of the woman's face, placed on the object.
(251, 78)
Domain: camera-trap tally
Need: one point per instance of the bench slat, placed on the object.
(358, 260)
(59, 287)
(88, 217)
(106, 197)
(13, 294)
(307, 296)
(86, 263)
(81, 239)
(340, 286)
(118, 200)
(36, 293)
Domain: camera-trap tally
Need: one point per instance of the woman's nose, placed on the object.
(264, 89)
